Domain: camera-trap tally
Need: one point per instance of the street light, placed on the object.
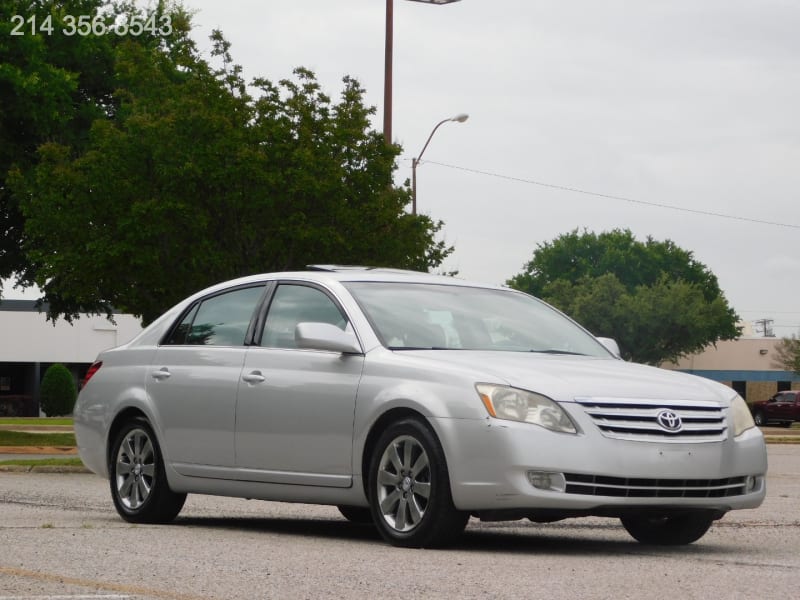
(415, 161)
(387, 75)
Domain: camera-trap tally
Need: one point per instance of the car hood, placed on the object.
(566, 377)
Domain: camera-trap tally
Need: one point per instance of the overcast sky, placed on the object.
(677, 103)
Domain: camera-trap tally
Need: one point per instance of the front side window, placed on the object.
(293, 304)
(220, 320)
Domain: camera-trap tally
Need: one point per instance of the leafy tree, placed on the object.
(192, 180)
(40, 98)
(52, 87)
(787, 353)
(653, 297)
(57, 392)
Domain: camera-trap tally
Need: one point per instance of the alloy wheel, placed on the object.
(135, 469)
(403, 483)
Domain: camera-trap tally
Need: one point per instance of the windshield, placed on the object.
(449, 317)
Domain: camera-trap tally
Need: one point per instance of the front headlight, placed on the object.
(742, 419)
(503, 402)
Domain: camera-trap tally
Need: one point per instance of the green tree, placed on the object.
(653, 297)
(193, 180)
(52, 88)
(57, 391)
(787, 354)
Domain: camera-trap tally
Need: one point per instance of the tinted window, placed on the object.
(293, 304)
(179, 334)
(221, 320)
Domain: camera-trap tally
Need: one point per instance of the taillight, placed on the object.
(92, 370)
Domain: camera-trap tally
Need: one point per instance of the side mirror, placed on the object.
(324, 336)
(610, 345)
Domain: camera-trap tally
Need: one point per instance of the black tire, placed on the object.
(759, 418)
(786, 424)
(356, 514)
(669, 530)
(409, 488)
(139, 485)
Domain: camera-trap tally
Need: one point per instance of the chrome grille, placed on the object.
(600, 485)
(638, 420)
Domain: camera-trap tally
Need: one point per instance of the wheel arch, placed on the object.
(378, 427)
(125, 415)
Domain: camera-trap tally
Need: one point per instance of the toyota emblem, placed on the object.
(669, 421)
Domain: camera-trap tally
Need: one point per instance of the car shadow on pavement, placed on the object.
(299, 527)
(517, 537)
(580, 541)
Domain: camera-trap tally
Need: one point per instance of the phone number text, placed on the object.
(85, 25)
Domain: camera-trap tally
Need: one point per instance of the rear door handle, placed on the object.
(162, 373)
(254, 377)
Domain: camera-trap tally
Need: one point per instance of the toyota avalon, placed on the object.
(413, 402)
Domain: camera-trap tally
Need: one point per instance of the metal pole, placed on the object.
(387, 74)
(414, 162)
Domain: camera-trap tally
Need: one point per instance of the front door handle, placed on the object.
(162, 373)
(254, 377)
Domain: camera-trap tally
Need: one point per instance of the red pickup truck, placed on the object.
(783, 407)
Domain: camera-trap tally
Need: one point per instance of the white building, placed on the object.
(29, 344)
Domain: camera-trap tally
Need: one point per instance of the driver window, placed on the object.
(293, 304)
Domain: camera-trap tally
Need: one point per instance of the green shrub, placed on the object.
(57, 392)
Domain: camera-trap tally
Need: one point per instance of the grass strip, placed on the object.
(43, 462)
(24, 438)
(35, 421)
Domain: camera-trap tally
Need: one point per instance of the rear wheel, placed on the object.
(786, 424)
(668, 530)
(409, 488)
(139, 485)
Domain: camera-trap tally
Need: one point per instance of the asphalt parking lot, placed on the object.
(61, 539)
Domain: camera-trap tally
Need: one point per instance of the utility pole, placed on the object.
(765, 326)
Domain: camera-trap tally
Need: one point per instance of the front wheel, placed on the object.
(409, 488)
(670, 530)
(759, 418)
(139, 485)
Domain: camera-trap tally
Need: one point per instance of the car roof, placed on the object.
(348, 273)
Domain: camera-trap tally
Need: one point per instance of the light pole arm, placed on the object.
(415, 161)
(439, 124)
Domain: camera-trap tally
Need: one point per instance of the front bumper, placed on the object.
(491, 463)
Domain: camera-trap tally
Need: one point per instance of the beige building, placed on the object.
(747, 365)
(29, 344)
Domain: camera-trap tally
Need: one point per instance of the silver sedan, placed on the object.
(410, 401)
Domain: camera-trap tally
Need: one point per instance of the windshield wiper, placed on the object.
(418, 348)
(554, 351)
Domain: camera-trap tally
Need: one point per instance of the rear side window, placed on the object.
(220, 320)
